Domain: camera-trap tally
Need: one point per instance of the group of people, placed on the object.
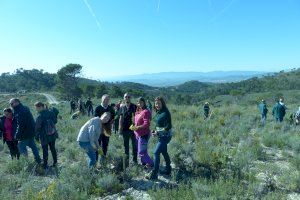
(82, 108)
(278, 112)
(20, 130)
(134, 126)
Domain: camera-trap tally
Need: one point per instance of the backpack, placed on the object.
(50, 128)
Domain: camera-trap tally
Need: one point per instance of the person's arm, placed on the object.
(97, 111)
(91, 135)
(168, 122)
(38, 127)
(113, 114)
(121, 120)
(1, 129)
(23, 117)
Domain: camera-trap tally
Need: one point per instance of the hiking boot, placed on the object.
(152, 176)
(165, 172)
(54, 164)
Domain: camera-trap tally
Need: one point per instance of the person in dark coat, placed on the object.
(89, 106)
(106, 132)
(72, 106)
(45, 132)
(127, 112)
(206, 110)
(263, 111)
(6, 131)
(279, 111)
(24, 129)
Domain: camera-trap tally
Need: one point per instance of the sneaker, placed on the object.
(152, 176)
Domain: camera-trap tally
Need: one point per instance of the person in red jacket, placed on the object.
(6, 131)
(142, 131)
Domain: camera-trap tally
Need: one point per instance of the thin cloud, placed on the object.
(158, 5)
(223, 11)
(92, 13)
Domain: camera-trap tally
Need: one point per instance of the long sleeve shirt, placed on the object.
(142, 120)
(90, 132)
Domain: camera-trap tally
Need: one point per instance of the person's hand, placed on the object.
(154, 133)
(133, 128)
(37, 139)
(94, 147)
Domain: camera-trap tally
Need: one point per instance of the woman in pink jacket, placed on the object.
(142, 132)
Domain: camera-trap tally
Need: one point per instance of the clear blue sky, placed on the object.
(121, 37)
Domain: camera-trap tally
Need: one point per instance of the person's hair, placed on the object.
(143, 100)
(105, 114)
(104, 97)
(39, 104)
(9, 110)
(15, 100)
(163, 103)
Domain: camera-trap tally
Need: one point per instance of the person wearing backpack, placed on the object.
(46, 132)
(263, 111)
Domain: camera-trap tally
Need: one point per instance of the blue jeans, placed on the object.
(31, 144)
(162, 148)
(90, 152)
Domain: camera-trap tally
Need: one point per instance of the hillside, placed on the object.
(166, 79)
(229, 156)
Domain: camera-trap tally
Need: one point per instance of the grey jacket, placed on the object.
(90, 132)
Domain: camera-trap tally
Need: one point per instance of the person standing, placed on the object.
(163, 126)
(72, 106)
(46, 133)
(297, 116)
(89, 106)
(127, 112)
(103, 139)
(89, 134)
(206, 110)
(279, 111)
(24, 129)
(142, 132)
(263, 111)
(6, 131)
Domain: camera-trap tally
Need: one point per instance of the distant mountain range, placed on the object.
(165, 79)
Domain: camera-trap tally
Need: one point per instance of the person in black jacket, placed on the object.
(106, 133)
(45, 132)
(6, 131)
(89, 106)
(127, 111)
(23, 129)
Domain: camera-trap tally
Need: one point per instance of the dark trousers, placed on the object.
(103, 142)
(72, 110)
(53, 152)
(129, 135)
(162, 148)
(13, 149)
(90, 111)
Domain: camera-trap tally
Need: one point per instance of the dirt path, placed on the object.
(50, 98)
